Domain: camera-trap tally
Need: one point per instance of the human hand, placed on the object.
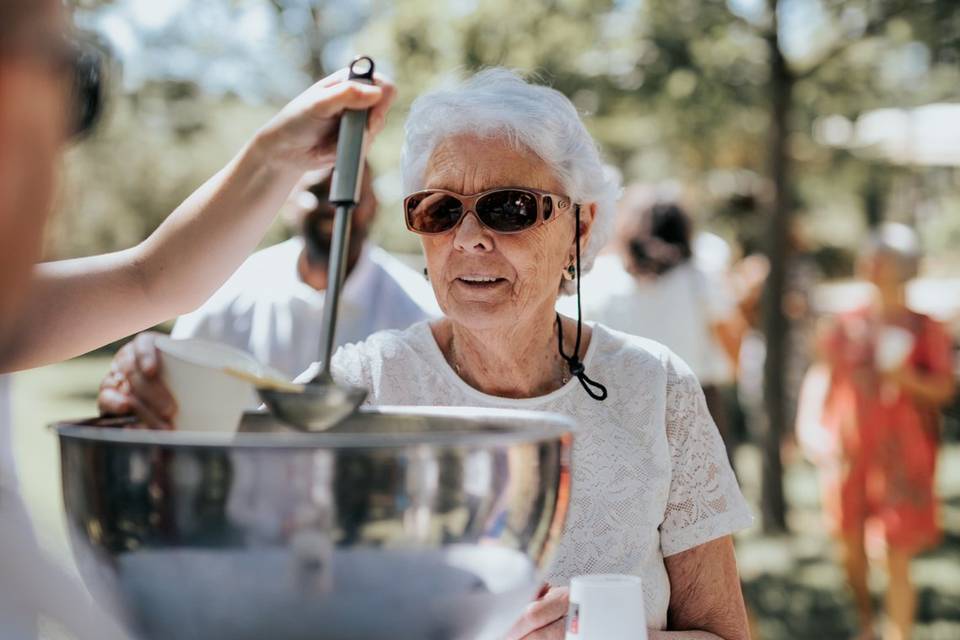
(897, 375)
(303, 135)
(134, 386)
(544, 618)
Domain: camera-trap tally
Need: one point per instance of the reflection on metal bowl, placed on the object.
(398, 523)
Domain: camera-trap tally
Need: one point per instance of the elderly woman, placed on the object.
(507, 190)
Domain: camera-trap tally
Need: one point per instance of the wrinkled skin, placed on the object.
(530, 263)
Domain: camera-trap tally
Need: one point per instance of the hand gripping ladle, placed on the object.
(323, 403)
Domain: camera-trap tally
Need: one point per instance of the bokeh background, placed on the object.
(799, 123)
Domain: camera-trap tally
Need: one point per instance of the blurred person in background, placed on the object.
(273, 305)
(57, 310)
(651, 286)
(889, 373)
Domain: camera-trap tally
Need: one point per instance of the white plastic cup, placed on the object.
(606, 607)
(893, 347)
(208, 398)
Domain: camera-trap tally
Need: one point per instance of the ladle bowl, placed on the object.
(401, 523)
(316, 407)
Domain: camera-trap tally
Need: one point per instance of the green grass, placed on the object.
(793, 584)
(40, 397)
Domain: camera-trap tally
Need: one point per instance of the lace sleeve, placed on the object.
(350, 366)
(705, 502)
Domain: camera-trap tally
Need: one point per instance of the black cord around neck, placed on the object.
(593, 388)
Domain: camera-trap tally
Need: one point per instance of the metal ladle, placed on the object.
(322, 403)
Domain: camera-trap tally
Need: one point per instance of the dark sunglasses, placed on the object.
(503, 210)
(88, 64)
(81, 61)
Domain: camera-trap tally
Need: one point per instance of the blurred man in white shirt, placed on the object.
(273, 305)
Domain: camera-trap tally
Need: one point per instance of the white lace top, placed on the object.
(650, 475)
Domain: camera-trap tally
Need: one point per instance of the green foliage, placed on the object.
(156, 147)
(672, 89)
(679, 88)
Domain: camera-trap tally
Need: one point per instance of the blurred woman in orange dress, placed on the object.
(890, 372)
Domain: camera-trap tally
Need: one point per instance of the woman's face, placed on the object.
(526, 267)
(882, 270)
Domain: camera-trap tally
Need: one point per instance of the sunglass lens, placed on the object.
(508, 210)
(88, 87)
(433, 212)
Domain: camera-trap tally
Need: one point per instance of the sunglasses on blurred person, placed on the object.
(75, 59)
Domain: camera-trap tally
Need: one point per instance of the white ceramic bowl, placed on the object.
(208, 398)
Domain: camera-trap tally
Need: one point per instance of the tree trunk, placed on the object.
(873, 196)
(776, 326)
(314, 33)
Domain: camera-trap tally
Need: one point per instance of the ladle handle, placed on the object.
(345, 187)
(348, 170)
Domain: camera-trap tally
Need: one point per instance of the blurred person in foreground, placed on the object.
(57, 310)
(888, 372)
(507, 189)
(652, 286)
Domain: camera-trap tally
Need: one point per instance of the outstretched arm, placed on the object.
(77, 305)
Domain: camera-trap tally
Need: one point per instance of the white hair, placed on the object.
(498, 102)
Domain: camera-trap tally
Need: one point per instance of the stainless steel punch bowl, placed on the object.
(398, 523)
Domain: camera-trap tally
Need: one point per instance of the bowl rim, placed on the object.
(522, 426)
